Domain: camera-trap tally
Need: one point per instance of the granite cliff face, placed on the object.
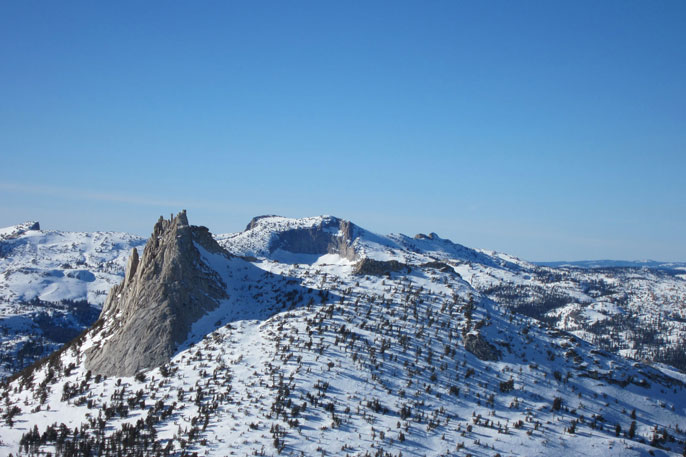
(148, 315)
(279, 238)
(332, 236)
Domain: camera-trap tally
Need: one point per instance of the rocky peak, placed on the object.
(131, 266)
(430, 236)
(148, 315)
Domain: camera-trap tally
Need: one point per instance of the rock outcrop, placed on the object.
(441, 266)
(331, 236)
(430, 236)
(374, 267)
(476, 344)
(164, 292)
(18, 230)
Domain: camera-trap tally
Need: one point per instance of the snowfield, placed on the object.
(51, 280)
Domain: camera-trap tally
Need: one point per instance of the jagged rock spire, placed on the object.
(150, 313)
(131, 266)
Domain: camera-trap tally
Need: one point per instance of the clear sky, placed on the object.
(549, 130)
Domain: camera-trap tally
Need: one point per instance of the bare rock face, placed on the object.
(374, 267)
(332, 236)
(164, 292)
(482, 349)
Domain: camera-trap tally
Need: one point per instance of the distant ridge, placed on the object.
(653, 264)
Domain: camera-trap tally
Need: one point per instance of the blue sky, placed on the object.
(548, 130)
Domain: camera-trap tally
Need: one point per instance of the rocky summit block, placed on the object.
(169, 286)
(331, 236)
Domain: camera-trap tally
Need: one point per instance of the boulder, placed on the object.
(476, 344)
(378, 267)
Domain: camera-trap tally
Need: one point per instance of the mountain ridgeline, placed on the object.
(317, 337)
(331, 236)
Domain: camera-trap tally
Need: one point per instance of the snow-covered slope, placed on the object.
(640, 313)
(310, 358)
(54, 265)
(52, 285)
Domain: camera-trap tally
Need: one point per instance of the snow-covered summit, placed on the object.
(423, 248)
(304, 240)
(14, 231)
(294, 240)
(54, 265)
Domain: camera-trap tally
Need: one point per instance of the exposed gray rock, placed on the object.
(131, 266)
(332, 236)
(430, 236)
(163, 293)
(441, 266)
(482, 349)
(378, 267)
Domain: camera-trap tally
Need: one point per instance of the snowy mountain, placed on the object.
(639, 313)
(306, 240)
(52, 285)
(327, 339)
